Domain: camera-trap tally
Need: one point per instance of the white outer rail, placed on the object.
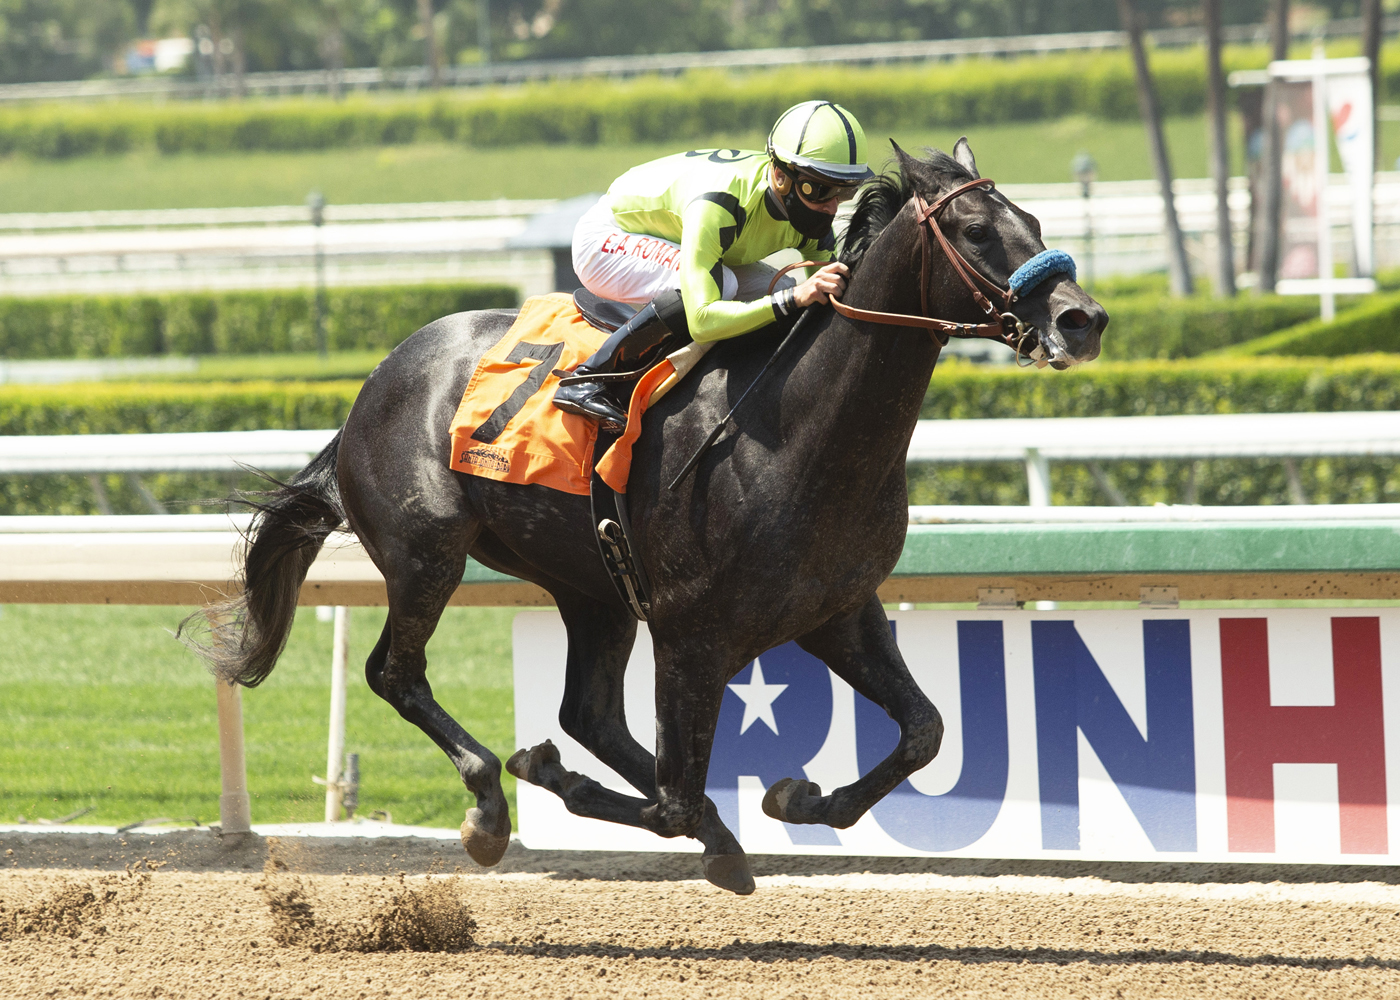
(1226, 435)
(1229, 435)
(186, 218)
(209, 451)
(1038, 442)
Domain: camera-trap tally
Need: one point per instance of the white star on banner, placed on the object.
(758, 700)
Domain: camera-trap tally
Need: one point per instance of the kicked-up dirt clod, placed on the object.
(429, 917)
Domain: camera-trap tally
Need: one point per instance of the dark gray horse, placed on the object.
(783, 531)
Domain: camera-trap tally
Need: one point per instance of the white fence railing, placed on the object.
(1118, 229)
(1034, 441)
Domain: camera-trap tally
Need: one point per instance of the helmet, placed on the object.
(822, 139)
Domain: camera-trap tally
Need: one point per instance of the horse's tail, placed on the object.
(246, 633)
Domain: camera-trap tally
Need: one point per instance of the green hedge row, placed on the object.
(650, 109)
(958, 390)
(1373, 326)
(1199, 385)
(1154, 326)
(229, 322)
(1216, 385)
(119, 408)
(150, 408)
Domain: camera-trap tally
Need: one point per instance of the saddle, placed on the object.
(600, 313)
(507, 427)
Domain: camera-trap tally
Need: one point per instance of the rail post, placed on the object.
(1037, 478)
(335, 743)
(235, 813)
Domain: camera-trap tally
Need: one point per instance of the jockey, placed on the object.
(684, 238)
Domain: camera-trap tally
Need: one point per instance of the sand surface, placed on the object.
(190, 915)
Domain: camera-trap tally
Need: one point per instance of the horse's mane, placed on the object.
(881, 199)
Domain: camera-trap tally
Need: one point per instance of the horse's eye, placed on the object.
(976, 233)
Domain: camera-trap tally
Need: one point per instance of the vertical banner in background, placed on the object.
(1349, 106)
(1252, 735)
(1298, 227)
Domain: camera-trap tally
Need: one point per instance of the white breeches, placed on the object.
(628, 267)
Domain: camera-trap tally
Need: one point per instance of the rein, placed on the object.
(1003, 326)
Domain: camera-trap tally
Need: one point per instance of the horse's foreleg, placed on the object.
(860, 648)
(397, 672)
(689, 687)
(600, 642)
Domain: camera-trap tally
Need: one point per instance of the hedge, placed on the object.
(229, 322)
(1198, 385)
(149, 408)
(1154, 326)
(697, 105)
(649, 109)
(119, 408)
(957, 390)
(1374, 326)
(1216, 385)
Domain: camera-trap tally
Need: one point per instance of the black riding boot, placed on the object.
(658, 328)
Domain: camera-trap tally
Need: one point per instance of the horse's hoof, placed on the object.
(484, 847)
(526, 764)
(729, 871)
(785, 798)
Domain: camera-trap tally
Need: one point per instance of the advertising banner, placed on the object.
(1349, 105)
(1248, 735)
(1298, 252)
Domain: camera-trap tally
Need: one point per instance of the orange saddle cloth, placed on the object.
(507, 426)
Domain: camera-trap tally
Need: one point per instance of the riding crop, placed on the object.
(719, 427)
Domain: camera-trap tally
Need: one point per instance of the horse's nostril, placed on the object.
(1073, 320)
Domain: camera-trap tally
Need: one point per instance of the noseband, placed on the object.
(1002, 325)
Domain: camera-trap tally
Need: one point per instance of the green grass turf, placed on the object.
(1022, 152)
(101, 707)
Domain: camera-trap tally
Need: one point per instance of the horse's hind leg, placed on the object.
(860, 648)
(397, 672)
(600, 641)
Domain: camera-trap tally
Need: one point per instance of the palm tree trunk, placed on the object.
(1273, 157)
(1371, 49)
(434, 63)
(1152, 118)
(1219, 154)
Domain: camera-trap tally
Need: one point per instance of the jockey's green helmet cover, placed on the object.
(821, 138)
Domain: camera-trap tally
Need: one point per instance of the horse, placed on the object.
(782, 531)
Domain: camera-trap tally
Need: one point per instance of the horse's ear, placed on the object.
(962, 152)
(904, 158)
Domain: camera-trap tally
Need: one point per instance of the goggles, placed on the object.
(817, 191)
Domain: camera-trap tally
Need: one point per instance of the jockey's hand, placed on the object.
(830, 280)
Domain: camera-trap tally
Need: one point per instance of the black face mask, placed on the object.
(807, 221)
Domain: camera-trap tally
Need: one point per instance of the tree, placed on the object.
(1371, 49)
(1177, 265)
(1273, 158)
(1219, 152)
(61, 39)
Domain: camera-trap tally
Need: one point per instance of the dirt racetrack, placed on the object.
(186, 915)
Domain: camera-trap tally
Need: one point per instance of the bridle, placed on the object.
(1002, 325)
